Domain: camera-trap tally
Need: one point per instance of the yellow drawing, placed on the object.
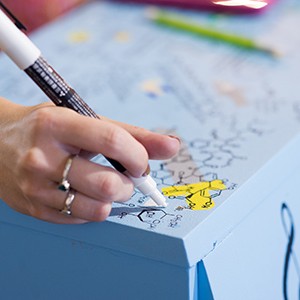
(122, 36)
(152, 87)
(197, 195)
(155, 87)
(79, 36)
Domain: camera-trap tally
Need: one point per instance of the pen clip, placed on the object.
(13, 17)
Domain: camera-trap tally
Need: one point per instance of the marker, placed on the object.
(174, 21)
(28, 58)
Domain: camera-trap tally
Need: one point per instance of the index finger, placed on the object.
(158, 146)
(100, 136)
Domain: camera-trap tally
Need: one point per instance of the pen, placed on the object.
(174, 21)
(29, 59)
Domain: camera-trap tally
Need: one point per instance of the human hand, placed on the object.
(36, 142)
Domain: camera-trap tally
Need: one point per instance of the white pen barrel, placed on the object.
(144, 184)
(16, 44)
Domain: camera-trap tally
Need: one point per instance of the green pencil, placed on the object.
(174, 21)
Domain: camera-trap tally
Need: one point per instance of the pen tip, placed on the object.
(151, 203)
(157, 200)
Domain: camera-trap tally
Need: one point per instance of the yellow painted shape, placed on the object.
(122, 36)
(197, 195)
(152, 86)
(79, 36)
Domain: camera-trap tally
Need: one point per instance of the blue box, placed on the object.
(229, 231)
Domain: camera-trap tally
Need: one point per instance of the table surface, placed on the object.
(233, 109)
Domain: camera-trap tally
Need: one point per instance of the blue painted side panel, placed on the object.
(35, 265)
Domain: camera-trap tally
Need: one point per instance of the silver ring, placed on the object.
(68, 203)
(64, 185)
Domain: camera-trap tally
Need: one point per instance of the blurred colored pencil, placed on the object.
(177, 22)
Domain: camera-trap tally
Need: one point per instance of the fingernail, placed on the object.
(175, 137)
(147, 172)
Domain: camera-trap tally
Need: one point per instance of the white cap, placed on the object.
(16, 44)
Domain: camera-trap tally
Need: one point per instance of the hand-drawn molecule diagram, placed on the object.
(185, 177)
(191, 179)
(202, 156)
(153, 217)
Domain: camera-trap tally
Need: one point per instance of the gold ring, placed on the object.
(68, 203)
(64, 185)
